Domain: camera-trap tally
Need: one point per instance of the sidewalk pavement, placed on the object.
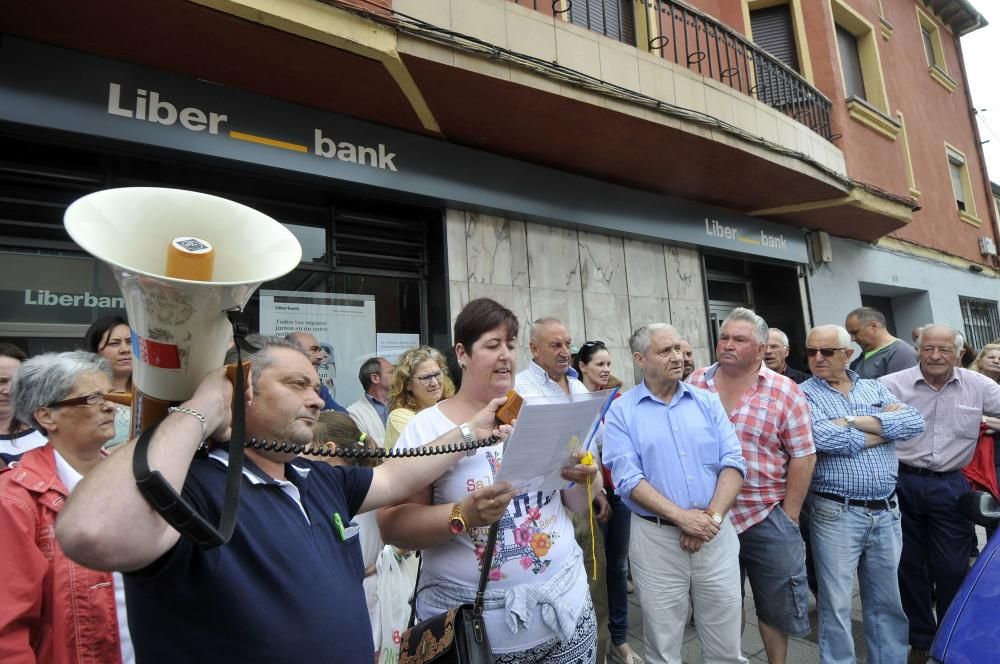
(801, 650)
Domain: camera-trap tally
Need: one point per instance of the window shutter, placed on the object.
(956, 182)
(928, 45)
(611, 18)
(854, 80)
(772, 31)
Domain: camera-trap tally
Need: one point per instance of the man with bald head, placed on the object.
(688, 359)
(851, 509)
(308, 343)
(937, 539)
(551, 371)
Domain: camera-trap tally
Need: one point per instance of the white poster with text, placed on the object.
(344, 326)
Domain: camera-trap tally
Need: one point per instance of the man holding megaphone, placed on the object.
(294, 561)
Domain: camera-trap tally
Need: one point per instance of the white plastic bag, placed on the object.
(395, 580)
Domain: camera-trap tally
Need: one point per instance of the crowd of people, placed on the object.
(744, 470)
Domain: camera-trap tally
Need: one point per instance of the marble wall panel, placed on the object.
(565, 305)
(458, 262)
(518, 254)
(458, 297)
(553, 259)
(522, 309)
(684, 280)
(702, 357)
(607, 319)
(646, 310)
(602, 264)
(645, 269)
(688, 316)
(488, 241)
(622, 366)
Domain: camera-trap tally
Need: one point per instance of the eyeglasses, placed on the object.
(88, 400)
(826, 352)
(426, 379)
(599, 344)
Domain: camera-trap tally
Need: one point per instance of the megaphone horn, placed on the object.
(183, 259)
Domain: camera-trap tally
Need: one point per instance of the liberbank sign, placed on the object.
(54, 88)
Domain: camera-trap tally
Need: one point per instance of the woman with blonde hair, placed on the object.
(420, 381)
(988, 361)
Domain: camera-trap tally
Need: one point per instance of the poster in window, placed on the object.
(344, 326)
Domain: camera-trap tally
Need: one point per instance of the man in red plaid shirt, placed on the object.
(772, 419)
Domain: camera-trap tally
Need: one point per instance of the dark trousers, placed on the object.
(616, 534)
(937, 543)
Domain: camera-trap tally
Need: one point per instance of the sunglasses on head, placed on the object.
(589, 344)
(826, 352)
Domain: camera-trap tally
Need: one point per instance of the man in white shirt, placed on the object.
(551, 371)
(371, 410)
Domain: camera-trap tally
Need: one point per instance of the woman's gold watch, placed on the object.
(456, 522)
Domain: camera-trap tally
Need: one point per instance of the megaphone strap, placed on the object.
(170, 505)
(354, 451)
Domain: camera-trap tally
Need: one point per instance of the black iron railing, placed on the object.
(689, 38)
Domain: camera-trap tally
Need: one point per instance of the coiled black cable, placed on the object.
(355, 451)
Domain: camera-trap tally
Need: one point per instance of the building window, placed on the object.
(850, 61)
(861, 66)
(961, 185)
(611, 18)
(772, 30)
(929, 46)
(981, 321)
(937, 65)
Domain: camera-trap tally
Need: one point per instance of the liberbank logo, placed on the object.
(718, 230)
(150, 106)
(44, 298)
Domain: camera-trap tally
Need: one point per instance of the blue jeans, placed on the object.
(844, 540)
(616, 534)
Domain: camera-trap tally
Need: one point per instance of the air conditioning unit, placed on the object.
(987, 246)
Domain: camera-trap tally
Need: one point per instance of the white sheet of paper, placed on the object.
(546, 434)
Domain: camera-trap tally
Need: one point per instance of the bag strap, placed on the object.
(484, 575)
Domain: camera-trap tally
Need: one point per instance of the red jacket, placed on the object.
(51, 609)
(981, 470)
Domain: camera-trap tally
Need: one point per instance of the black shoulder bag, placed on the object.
(457, 636)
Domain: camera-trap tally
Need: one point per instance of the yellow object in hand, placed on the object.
(588, 460)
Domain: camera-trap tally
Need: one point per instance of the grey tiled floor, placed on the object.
(802, 650)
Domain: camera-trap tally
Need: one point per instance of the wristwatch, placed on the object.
(715, 516)
(850, 421)
(467, 438)
(455, 522)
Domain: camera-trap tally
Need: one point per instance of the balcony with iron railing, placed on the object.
(688, 38)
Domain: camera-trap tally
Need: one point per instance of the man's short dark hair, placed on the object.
(371, 366)
(868, 314)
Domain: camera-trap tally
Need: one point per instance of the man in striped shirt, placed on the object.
(854, 521)
(772, 420)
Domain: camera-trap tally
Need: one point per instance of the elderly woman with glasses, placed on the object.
(52, 609)
(420, 381)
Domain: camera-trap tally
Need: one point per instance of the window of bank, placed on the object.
(50, 291)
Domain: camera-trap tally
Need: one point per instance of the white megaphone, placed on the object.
(219, 252)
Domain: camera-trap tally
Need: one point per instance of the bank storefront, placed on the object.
(417, 224)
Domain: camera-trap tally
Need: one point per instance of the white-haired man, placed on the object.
(771, 417)
(776, 356)
(293, 561)
(676, 463)
(852, 512)
(937, 539)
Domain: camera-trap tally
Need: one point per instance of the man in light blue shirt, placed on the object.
(677, 464)
(853, 515)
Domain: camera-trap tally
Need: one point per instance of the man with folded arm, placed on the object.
(853, 517)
